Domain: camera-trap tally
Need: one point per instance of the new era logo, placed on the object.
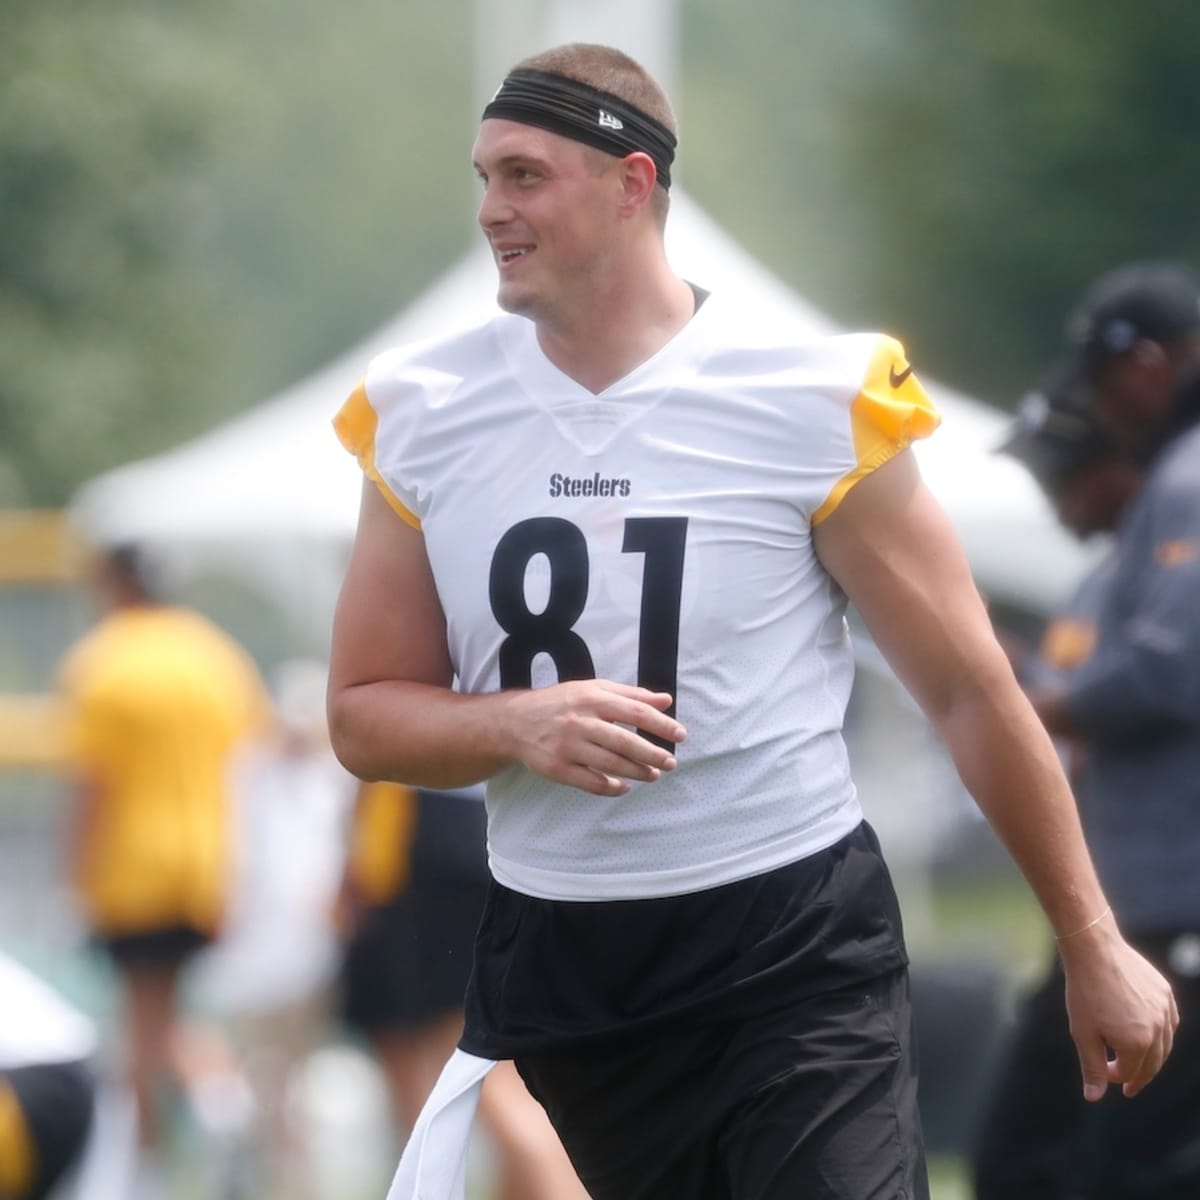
(608, 121)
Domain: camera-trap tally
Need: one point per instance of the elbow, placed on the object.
(345, 739)
(988, 685)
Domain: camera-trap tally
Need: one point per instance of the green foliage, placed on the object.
(954, 172)
(103, 112)
(344, 186)
(200, 203)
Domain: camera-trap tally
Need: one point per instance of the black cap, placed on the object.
(1054, 434)
(1155, 301)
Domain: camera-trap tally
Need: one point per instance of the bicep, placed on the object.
(389, 623)
(892, 549)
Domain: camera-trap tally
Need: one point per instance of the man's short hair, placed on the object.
(609, 70)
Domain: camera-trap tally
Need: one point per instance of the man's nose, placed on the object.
(494, 210)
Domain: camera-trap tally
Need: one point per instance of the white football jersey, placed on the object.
(658, 533)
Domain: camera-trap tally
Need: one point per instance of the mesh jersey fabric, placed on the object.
(658, 532)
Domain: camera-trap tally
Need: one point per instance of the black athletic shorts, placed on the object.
(56, 1102)
(409, 960)
(749, 1041)
(551, 973)
(168, 946)
(813, 1102)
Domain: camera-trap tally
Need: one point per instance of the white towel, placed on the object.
(434, 1163)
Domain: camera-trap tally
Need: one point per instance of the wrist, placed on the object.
(498, 732)
(1092, 935)
(1096, 920)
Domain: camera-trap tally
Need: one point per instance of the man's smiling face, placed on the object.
(549, 212)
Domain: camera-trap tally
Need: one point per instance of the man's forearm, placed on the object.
(416, 733)
(1008, 763)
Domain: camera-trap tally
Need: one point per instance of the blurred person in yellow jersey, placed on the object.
(415, 887)
(158, 701)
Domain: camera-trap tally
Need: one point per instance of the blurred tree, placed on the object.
(953, 172)
(105, 110)
(200, 203)
(345, 186)
(1053, 142)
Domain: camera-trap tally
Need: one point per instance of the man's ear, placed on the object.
(639, 177)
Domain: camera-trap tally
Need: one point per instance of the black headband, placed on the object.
(584, 114)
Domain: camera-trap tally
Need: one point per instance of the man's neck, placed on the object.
(621, 330)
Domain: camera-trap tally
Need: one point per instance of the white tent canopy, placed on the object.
(272, 497)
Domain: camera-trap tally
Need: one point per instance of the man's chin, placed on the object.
(514, 301)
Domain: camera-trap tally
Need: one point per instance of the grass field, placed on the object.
(948, 1180)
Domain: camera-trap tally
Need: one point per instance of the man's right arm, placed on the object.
(393, 713)
(893, 550)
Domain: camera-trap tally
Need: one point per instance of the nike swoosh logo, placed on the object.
(896, 378)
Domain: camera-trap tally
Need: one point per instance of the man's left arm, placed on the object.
(892, 549)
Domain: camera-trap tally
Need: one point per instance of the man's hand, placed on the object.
(589, 734)
(1116, 1001)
